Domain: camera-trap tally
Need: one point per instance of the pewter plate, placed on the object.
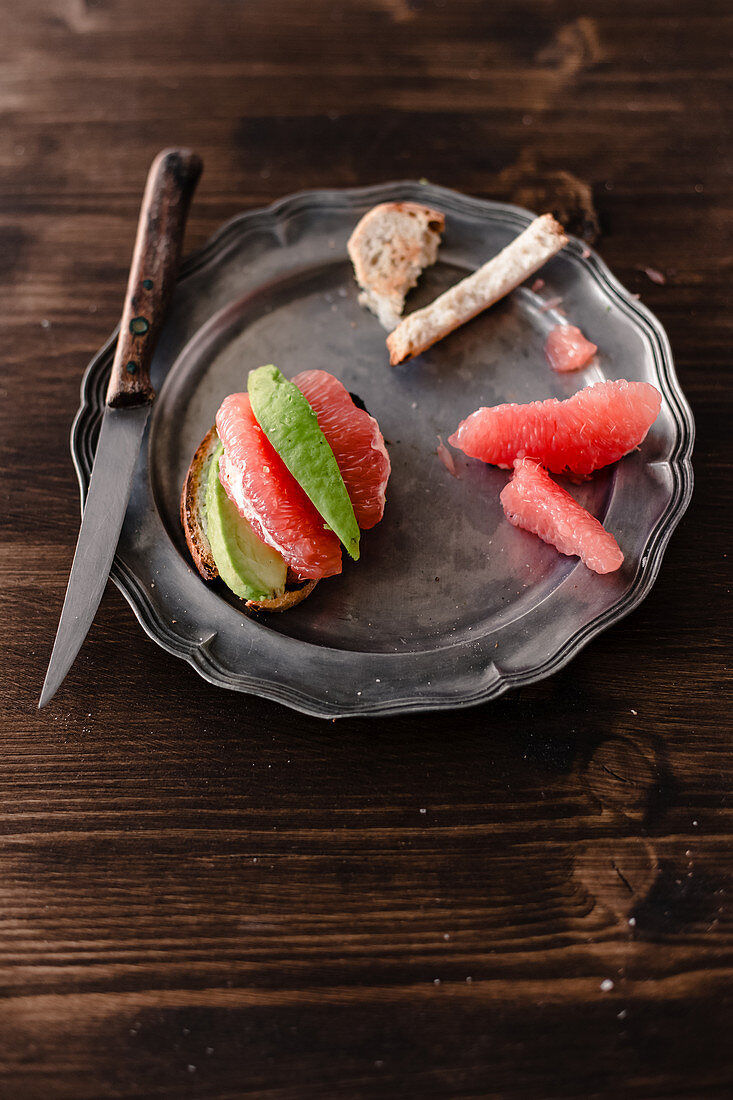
(449, 605)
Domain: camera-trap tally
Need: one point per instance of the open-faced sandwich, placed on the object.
(291, 471)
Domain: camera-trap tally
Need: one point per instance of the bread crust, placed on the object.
(389, 248)
(192, 501)
(193, 496)
(291, 597)
(541, 240)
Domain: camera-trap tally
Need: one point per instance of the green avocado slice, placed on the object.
(291, 426)
(253, 570)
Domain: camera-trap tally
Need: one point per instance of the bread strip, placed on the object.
(521, 258)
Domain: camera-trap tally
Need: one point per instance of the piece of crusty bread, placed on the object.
(541, 240)
(193, 519)
(389, 248)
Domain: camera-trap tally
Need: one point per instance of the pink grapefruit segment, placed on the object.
(594, 427)
(567, 349)
(266, 493)
(354, 438)
(533, 501)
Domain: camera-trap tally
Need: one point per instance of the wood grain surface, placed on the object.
(207, 895)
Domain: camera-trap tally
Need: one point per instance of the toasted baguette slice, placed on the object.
(526, 254)
(193, 519)
(389, 249)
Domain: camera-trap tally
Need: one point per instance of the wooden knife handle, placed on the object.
(170, 186)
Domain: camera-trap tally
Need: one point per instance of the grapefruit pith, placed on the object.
(594, 427)
(532, 500)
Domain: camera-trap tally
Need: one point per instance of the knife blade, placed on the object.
(170, 185)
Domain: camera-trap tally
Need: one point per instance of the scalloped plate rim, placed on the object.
(657, 540)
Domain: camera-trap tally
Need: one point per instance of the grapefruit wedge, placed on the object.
(533, 501)
(594, 427)
(268, 496)
(354, 438)
(566, 348)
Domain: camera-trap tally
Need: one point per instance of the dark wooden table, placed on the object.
(204, 894)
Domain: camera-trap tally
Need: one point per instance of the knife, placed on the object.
(170, 186)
